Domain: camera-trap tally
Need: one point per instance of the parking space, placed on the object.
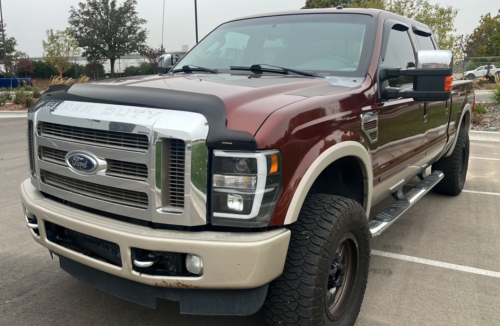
(438, 265)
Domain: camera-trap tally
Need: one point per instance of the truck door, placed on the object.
(402, 121)
(437, 112)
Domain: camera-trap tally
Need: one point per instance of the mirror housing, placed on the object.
(164, 70)
(432, 77)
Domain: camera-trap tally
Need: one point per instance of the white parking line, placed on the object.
(436, 263)
(482, 192)
(485, 158)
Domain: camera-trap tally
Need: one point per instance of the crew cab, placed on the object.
(246, 176)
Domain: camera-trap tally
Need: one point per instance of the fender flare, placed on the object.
(467, 108)
(335, 152)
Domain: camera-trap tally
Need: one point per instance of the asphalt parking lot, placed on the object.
(438, 265)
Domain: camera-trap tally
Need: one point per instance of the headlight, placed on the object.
(245, 187)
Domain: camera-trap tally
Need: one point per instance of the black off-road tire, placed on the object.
(300, 295)
(454, 167)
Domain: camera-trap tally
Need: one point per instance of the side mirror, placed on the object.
(164, 70)
(432, 77)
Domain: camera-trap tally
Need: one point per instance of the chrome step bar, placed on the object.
(403, 202)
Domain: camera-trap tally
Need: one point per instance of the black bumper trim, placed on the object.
(241, 302)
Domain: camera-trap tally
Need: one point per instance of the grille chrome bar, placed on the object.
(30, 148)
(176, 161)
(115, 168)
(93, 190)
(106, 138)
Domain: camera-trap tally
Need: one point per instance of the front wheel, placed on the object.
(326, 270)
(454, 167)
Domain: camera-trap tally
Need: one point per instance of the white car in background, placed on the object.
(481, 72)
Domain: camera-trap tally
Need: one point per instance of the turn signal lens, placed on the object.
(448, 84)
(274, 164)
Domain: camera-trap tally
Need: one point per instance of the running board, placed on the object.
(391, 214)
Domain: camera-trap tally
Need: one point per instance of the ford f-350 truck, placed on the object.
(245, 177)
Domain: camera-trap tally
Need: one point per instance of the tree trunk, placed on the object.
(112, 64)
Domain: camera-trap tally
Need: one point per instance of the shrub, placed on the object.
(480, 109)
(482, 81)
(20, 97)
(36, 92)
(477, 118)
(496, 93)
(29, 101)
(3, 99)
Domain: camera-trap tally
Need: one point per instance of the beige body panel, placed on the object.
(231, 260)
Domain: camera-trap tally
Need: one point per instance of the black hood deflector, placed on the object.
(212, 107)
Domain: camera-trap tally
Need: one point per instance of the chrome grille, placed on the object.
(106, 138)
(89, 189)
(127, 170)
(176, 161)
(30, 147)
(51, 155)
(115, 168)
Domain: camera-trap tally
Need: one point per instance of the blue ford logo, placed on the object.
(82, 162)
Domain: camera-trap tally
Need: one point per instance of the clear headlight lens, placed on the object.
(245, 187)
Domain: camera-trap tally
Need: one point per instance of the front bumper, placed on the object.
(231, 260)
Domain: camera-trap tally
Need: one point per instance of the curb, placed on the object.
(484, 135)
(13, 114)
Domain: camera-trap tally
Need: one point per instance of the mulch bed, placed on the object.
(491, 119)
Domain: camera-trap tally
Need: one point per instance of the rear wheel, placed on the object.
(454, 167)
(470, 76)
(326, 271)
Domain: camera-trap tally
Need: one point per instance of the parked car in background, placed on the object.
(14, 82)
(481, 72)
(168, 60)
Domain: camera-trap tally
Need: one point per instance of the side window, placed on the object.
(399, 54)
(425, 42)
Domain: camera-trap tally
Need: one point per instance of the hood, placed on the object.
(249, 99)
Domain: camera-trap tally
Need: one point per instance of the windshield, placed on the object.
(327, 44)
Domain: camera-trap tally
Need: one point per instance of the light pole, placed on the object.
(3, 40)
(162, 26)
(196, 20)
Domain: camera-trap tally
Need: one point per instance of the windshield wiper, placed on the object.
(191, 68)
(280, 70)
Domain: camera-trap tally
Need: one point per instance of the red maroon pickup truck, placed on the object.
(244, 178)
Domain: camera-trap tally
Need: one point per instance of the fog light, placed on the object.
(194, 264)
(235, 202)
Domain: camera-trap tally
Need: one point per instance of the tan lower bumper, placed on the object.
(230, 260)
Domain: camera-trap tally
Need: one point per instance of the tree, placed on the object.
(58, 50)
(94, 66)
(311, 4)
(102, 27)
(12, 61)
(152, 55)
(10, 42)
(25, 66)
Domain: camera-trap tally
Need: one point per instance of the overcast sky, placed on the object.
(27, 20)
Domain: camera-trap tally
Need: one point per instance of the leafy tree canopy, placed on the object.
(10, 42)
(104, 28)
(152, 55)
(58, 50)
(311, 4)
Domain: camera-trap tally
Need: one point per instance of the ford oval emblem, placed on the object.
(80, 162)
